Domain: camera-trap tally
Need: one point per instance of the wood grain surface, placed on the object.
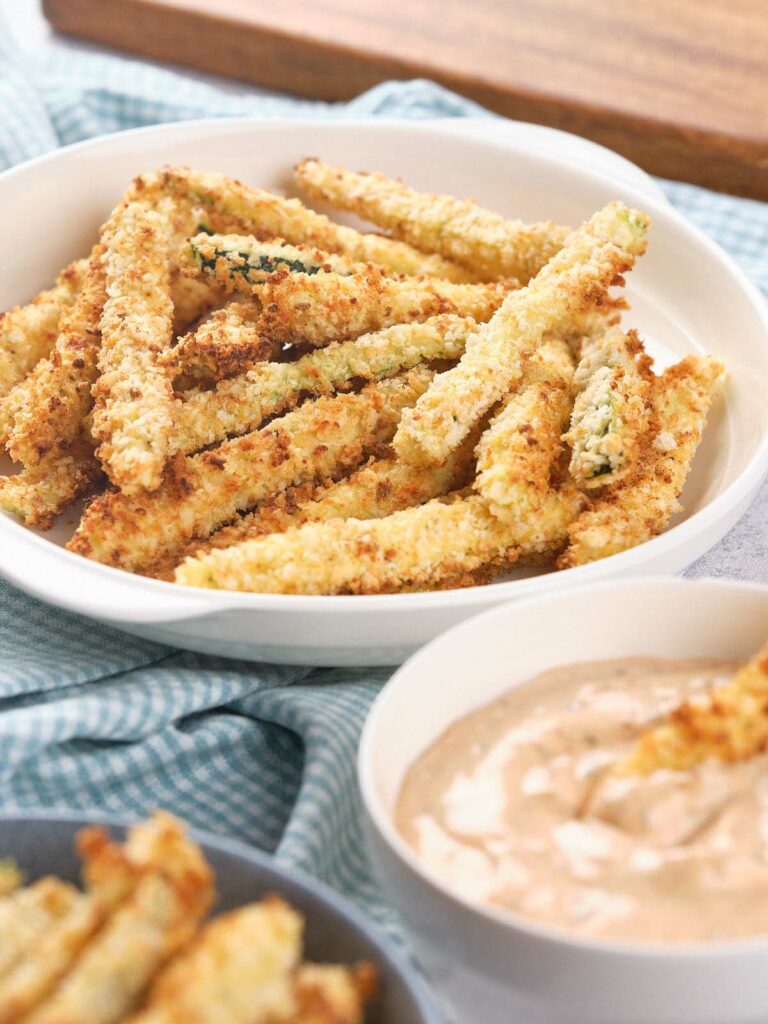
(679, 86)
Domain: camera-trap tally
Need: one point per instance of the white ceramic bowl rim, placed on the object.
(176, 601)
(509, 919)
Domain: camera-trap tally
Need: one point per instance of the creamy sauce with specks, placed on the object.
(495, 810)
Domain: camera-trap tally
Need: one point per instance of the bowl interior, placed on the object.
(481, 659)
(334, 932)
(683, 295)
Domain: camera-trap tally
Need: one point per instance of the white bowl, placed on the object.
(687, 295)
(516, 970)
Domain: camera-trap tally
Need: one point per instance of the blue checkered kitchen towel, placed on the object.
(90, 718)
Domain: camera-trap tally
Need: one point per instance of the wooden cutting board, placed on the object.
(679, 86)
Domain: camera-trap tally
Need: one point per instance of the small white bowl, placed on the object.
(686, 295)
(499, 967)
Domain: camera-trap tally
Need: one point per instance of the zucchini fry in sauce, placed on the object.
(133, 411)
(320, 440)
(268, 389)
(324, 307)
(518, 451)
(418, 546)
(729, 724)
(47, 408)
(239, 970)
(642, 507)
(28, 333)
(612, 410)
(593, 257)
(458, 229)
(272, 216)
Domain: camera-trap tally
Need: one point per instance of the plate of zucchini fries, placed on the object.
(235, 394)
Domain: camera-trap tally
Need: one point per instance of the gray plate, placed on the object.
(335, 930)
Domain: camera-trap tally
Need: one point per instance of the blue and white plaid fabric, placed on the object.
(90, 718)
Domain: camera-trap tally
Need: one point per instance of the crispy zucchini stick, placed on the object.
(729, 724)
(268, 389)
(239, 970)
(421, 545)
(377, 489)
(228, 343)
(244, 260)
(518, 451)
(47, 408)
(458, 229)
(324, 307)
(318, 441)
(271, 216)
(28, 333)
(172, 894)
(642, 507)
(27, 914)
(611, 413)
(331, 993)
(110, 877)
(39, 494)
(593, 257)
(133, 410)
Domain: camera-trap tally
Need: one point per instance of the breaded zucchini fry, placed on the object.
(324, 307)
(318, 441)
(729, 724)
(47, 408)
(271, 216)
(375, 490)
(332, 994)
(173, 892)
(28, 333)
(237, 971)
(421, 546)
(228, 343)
(245, 260)
(593, 257)
(39, 494)
(268, 389)
(27, 914)
(192, 298)
(642, 507)
(612, 410)
(133, 411)
(458, 229)
(10, 877)
(518, 451)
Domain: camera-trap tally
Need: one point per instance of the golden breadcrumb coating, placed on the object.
(421, 545)
(39, 494)
(193, 298)
(317, 441)
(48, 406)
(324, 307)
(331, 994)
(133, 411)
(486, 243)
(642, 506)
(226, 344)
(272, 216)
(377, 489)
(27, 914)
(238, 405)
(28, 333)
(238, 970)
(518, 451)
(729, 724)
(612, 410)
(10, 877)
(242, 260)
(593, 258)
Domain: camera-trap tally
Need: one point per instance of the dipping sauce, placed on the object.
(515, 805)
